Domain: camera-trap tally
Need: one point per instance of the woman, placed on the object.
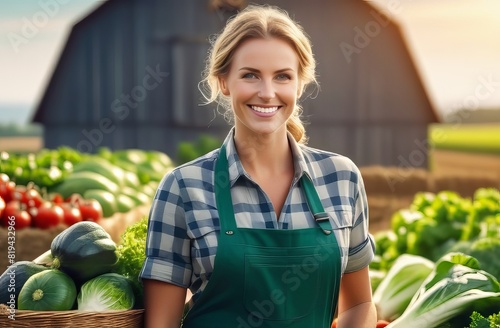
(265, 231)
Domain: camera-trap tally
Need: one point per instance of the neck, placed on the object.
(264, 154)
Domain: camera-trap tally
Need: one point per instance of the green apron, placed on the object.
(269, 277)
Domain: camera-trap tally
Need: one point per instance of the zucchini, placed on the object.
(80, 182)
(124, 203)
(83, 251)
(49, 290)
(137, 196)
(107, 200)
(14, 278)
(103, 167)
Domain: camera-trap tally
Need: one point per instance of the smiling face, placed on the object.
(263, 86)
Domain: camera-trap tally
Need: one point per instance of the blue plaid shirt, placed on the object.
(184, 222)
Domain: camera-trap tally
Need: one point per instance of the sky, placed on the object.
(456, 47)
(454, 43)
(32, 36)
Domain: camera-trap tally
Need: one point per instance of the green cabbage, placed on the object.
(109, 291)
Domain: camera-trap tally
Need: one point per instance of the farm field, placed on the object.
(477, 138)
(465, 149)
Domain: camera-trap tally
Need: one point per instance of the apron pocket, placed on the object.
(280, 287)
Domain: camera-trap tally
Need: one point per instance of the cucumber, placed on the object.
(80, 182)
(138, 197)
(124, 203)
(164, 159)
(105, 198)
(133, 156)
(14, 278)
(131, 179)
(103, 167)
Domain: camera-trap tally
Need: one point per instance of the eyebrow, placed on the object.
(257, 71)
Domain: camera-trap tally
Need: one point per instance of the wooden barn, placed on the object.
(128, 78)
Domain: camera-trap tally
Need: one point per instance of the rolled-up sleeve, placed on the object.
(361, 245)
(168, 245)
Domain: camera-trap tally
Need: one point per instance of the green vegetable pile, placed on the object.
(458, 239)
(119, 180)
(435, 223)
(46, 168)
(132, 254)
(76, 273)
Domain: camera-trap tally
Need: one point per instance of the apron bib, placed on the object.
(268, 277)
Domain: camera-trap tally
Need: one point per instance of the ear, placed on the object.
(223, 86)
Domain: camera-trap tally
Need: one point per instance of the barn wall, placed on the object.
(130, 74)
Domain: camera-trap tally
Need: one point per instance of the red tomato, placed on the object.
(47, 215)
(7, 190)
(91, 209)
(15, 215)
(28, 195)
(72, 214)
(57, 199)
(73, 198)
(381, 324)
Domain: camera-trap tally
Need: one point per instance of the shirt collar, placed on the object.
(236, 169)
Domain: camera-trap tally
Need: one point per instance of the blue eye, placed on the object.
(249, 76)
(283, 77)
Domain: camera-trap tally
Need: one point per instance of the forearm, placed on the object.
(163, 303)
(362, 315)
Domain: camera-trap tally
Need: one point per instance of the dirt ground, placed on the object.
(446, 161)
(21, 144)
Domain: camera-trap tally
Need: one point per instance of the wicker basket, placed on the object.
(61, 319)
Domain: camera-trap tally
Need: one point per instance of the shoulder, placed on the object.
(198, 171)
(327, 162)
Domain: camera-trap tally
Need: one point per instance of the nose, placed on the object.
(266, 91)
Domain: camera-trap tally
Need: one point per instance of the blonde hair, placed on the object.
(259, 22)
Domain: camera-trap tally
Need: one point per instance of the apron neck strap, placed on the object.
(225, 204)
(223, 194)
(315, 206)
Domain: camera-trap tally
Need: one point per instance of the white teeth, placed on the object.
(265, 109)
